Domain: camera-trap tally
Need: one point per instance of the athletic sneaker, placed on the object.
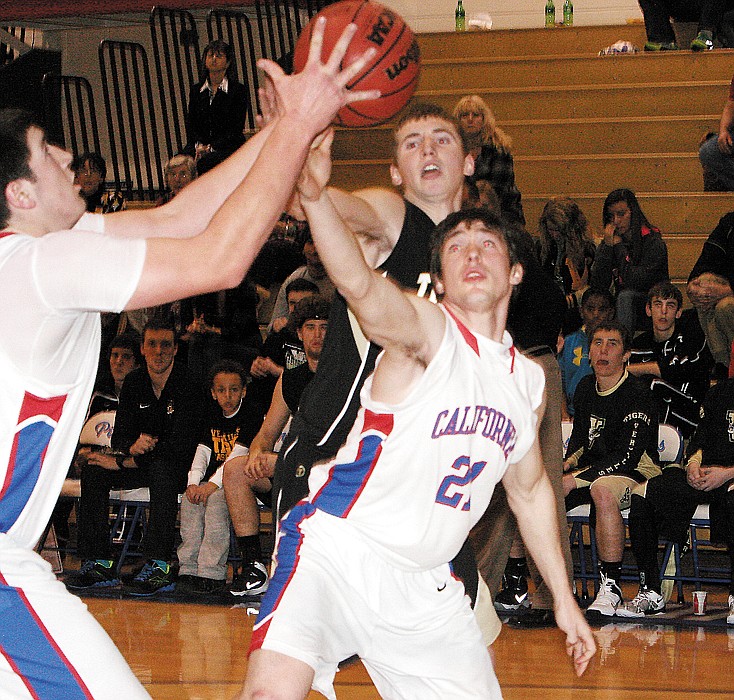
(730, 616)
(94, 573)
(704, 41)
(646, 602)
(187, 583)
(608, 599)
(661, 46)
(210, 585)
(253, 580)
(514, 593)
(155, 577)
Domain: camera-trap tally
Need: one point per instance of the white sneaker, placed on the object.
(730, 616)
(608, 599)
(646, 602)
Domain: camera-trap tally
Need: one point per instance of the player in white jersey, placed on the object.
(53, 283)
(362, 564)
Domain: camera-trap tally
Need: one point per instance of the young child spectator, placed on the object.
(665, 505)
(566, 250)
(491, 149)
(632, 257)
(202, 554)
(673, 356)
(613, 447)
(597, 305)
(244, 475)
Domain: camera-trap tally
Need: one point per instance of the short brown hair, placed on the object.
(423, 110)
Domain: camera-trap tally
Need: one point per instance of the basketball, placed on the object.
(393, 70)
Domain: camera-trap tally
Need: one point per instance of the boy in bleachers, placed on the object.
(665, 505)
(596, 305)
(202, 554)
(673, 357)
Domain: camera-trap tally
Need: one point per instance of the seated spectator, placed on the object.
(632, 257)
(664, 506)
(281, 349)
(597, 306)
(154, 441)
(243, 476)
(90, 171)
(566, 250)
(613, 447)
(313, 271)
(217, 110)
(660, 35)
(202, 554)
(491, 150)
(673, 356)
(710, 286)
(179, 172)
(717, 151)
(94, 441)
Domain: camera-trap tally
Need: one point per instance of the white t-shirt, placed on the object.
(52, 289)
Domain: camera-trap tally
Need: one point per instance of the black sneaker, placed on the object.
(186, 583)
(514, 593)
(155, 577)
(253, 580)
(94, 573)
(210, 586)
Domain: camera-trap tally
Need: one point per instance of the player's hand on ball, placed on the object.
(314, 96)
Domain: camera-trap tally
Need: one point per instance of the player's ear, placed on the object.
(516, 274)
(648, 310)
(469, 164)
(18, 195)
(395, 176)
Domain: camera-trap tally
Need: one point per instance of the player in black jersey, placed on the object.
(665, 505)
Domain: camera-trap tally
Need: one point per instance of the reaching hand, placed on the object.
(314, 96)
(580, 644)
(317, 169)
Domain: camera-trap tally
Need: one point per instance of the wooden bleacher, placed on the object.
(582, 124)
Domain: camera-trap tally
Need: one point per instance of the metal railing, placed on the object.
(132, 121)
(68, 104)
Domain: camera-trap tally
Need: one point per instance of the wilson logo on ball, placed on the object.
(393, 70)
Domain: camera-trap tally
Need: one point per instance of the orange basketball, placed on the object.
(393, 70)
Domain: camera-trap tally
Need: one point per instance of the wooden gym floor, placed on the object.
(198, 652)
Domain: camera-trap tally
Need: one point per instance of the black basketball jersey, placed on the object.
(330, 402)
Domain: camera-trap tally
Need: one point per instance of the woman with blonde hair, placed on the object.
(490, 147)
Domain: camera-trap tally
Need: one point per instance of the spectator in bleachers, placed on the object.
(660, 35)
(90, 171)
(613, 447)
(566, 250)
(313, 271)
(243, 476)
(202, 554)
(179, 172)
(717, 151)
(710, 286)
(664, 506)
(491, 149)
(94, 441)
(281, 350)
(673, 357)
(597, 306)
(155, 435)
(218, 105)
(632, 257)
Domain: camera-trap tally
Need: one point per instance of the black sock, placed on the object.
(644, 538)
(250, 548)
(611, 569)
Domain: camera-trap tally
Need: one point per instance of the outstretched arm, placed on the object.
(307, 102)
(530, 496)
(405, 326)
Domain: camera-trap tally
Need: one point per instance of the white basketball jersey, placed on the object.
(51, 289)
(414, 478)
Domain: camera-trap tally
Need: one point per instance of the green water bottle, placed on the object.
(550, 14)
(567, 13)
(460, 16)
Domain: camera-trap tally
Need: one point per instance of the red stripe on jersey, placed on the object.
(7, 233)
(470, 338)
